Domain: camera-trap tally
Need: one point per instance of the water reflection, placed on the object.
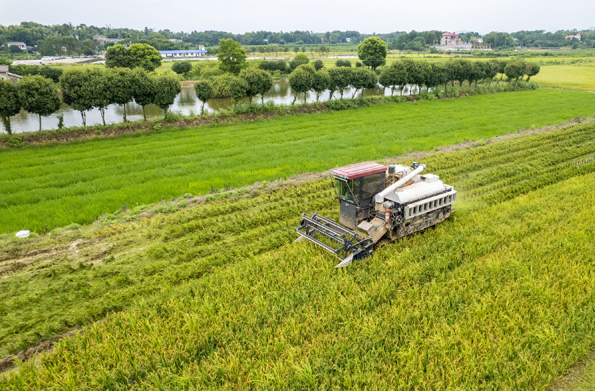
(186, 103)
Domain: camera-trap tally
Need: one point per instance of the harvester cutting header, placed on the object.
(378, 201)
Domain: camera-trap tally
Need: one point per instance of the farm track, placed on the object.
(155, 255)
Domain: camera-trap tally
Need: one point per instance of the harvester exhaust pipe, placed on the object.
(380, 196)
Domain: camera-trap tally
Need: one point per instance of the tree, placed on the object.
(457, 71)
(372, 51)
(258, 82)
(340, 79)
(476, 72)
(491, 70)
(318, 64)
(501, 66)
(320, 82)
(531, 69)
(137, 55)
(231, 57)
(100, 90)
(117, 56)
(76, 91)
(302, 79)
(362, 78)
(9, 103)
(119, 82)
(143, 89)
(300, 59)
(237, 88)
(204, 92)
(144, 56)
(38, 95)
(393, 76)
(437, 75)
(167, 87)
(514, 70)
(181, 67)
(416, 72)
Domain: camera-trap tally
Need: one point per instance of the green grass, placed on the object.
(579, 77)
(217, 297)
(52, 186)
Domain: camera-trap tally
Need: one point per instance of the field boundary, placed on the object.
(573, 376)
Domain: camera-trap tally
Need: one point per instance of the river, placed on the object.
(186, 103)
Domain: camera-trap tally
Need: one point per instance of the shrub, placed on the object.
(318, 64)
(343, 63)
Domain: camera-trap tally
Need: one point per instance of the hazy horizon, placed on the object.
(307, 15)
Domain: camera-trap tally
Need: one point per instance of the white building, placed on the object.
(102, 39)
(20, 45)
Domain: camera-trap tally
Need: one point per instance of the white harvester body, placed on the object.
(377, 202)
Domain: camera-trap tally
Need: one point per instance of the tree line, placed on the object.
(86, 89)
(78, 39)
(430, 75)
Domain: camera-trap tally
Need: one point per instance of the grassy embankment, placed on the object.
(46, 187)
(499, 296)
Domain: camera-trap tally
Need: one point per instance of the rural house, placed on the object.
(102, 39)
(20, 45)
(6, 75)
(577, 36)
(451, 39)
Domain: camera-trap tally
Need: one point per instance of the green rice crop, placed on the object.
(217, 296)
(54, 185)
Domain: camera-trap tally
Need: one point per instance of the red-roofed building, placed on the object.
(450, 39)
(578, 36)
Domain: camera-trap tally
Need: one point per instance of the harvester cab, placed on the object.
(377, 201)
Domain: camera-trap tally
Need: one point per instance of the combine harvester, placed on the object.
(376, 202)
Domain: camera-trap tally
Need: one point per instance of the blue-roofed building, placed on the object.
(200, 52)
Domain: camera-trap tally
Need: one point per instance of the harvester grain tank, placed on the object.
(378, 202)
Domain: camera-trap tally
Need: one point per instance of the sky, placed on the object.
(238, 16)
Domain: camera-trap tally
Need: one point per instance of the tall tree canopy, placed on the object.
(372, 52)
(9, 102)
(39, 95)
(232, 57)
(138, 55)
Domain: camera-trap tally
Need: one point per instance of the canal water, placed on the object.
(186, 103)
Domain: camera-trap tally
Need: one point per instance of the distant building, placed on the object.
(578, 36)
(201, 52)
(175, 40)
(20, 45)
(348, 39)
(103, 40)
(6, 75)
(450, 39)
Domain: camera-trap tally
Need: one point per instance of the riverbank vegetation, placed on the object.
(83, 180)
(186, 287)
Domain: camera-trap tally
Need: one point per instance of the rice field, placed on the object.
(44, 187)
(578, 77)
(218, 297)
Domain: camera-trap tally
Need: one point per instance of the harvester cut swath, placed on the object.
(376, 202)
